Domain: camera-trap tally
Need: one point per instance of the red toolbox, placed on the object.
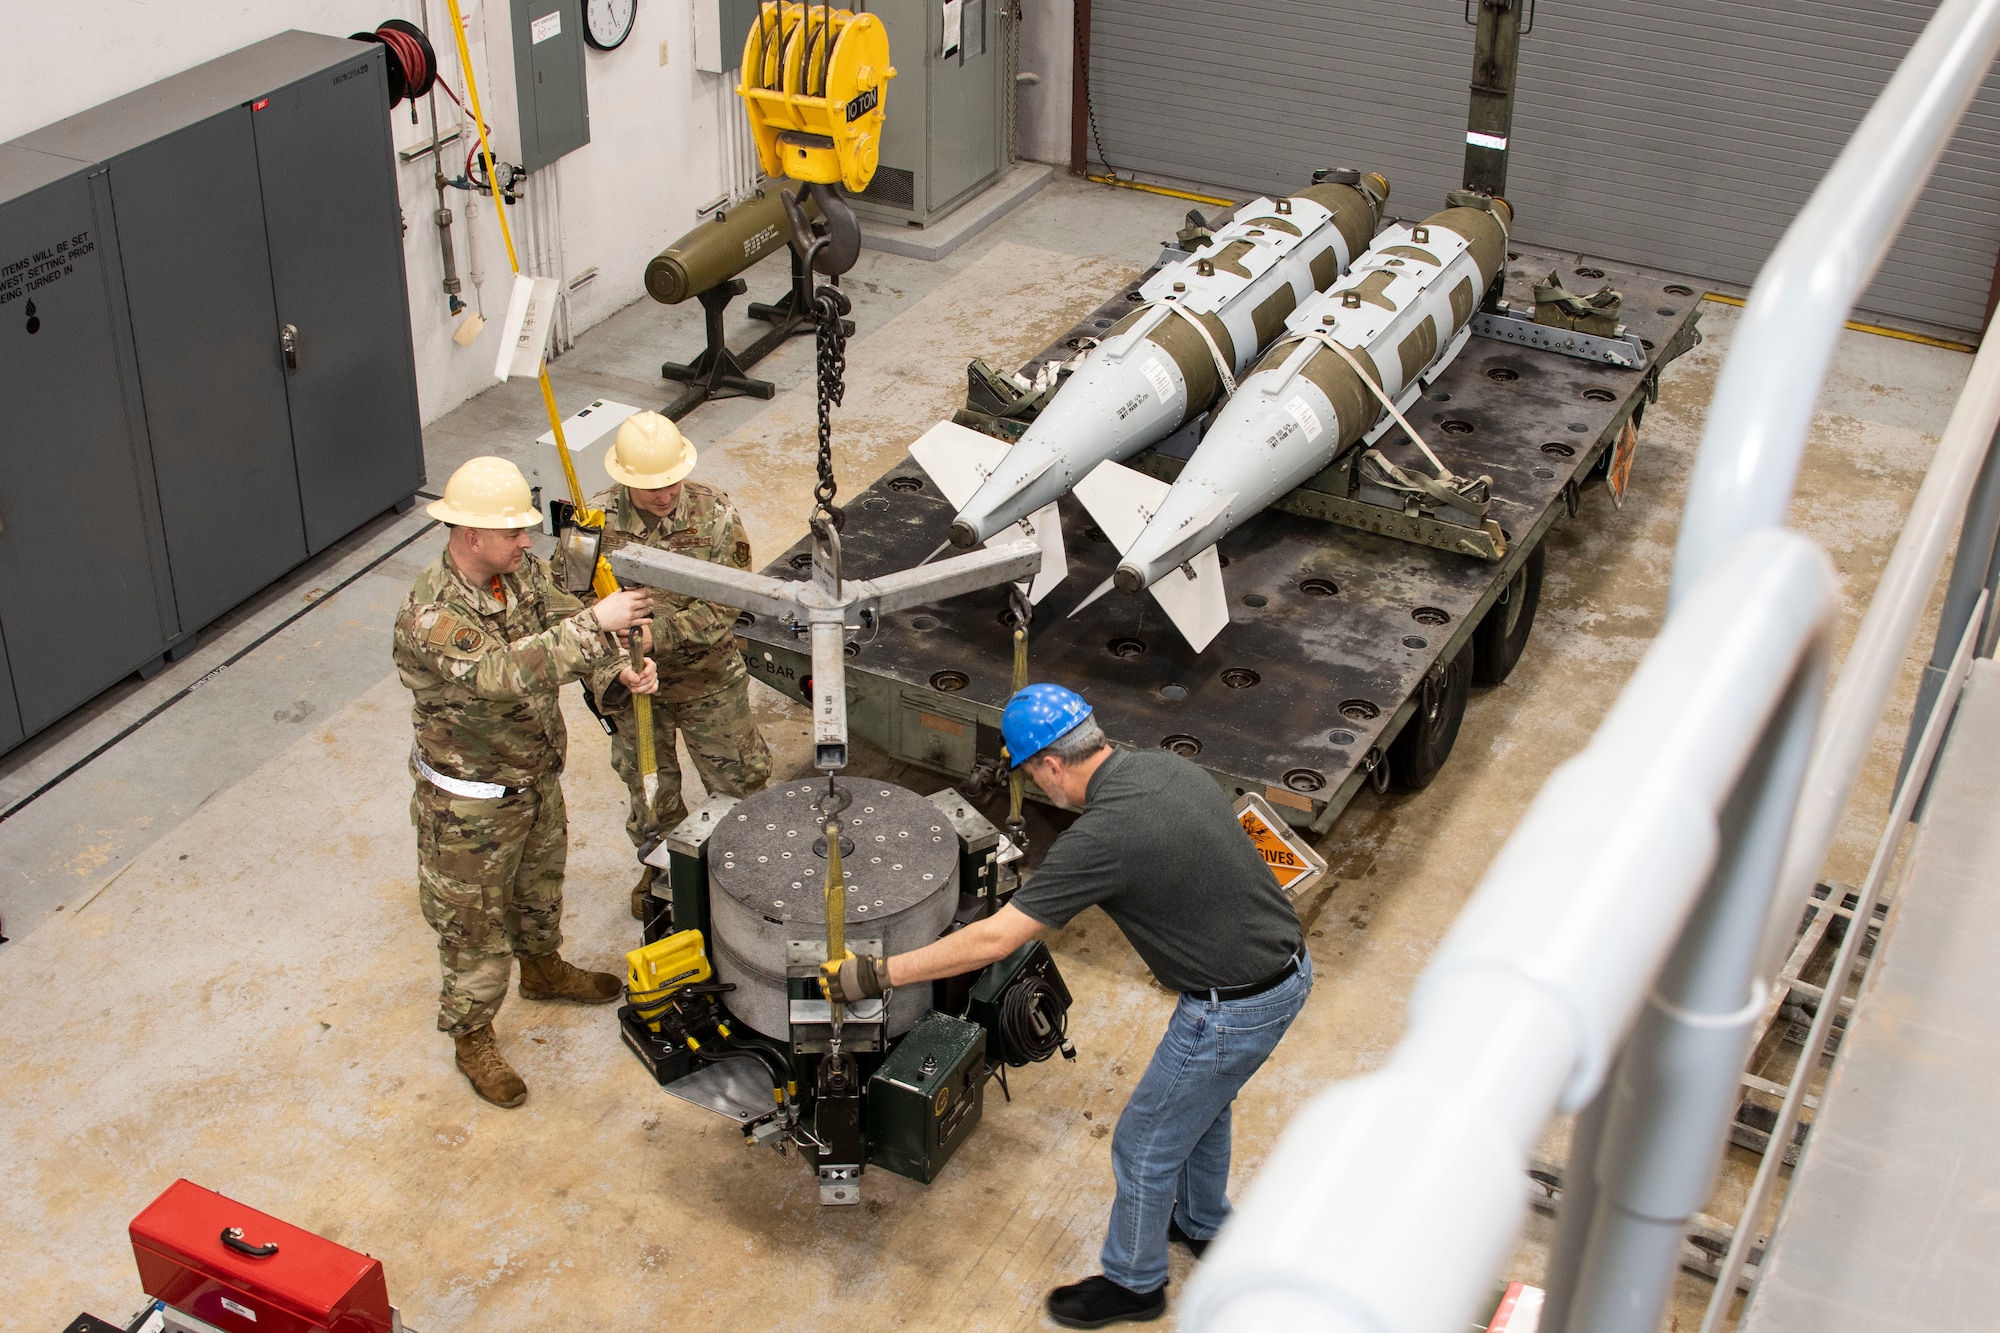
(243, 1271)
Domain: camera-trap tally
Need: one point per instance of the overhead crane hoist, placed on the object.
(726, 1007)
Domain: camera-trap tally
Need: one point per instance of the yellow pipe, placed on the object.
(479, 123)
(1161, 189)
(1859, 327)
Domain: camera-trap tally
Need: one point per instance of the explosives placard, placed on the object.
(1297, 866)
(1619, 474)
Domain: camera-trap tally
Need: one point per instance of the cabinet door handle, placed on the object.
(288, 338)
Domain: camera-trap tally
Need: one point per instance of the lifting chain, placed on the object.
(830, 304)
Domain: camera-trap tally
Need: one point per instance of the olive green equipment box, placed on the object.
(927, 1096)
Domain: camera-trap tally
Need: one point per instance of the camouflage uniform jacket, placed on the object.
(694, 641)
(485, 665)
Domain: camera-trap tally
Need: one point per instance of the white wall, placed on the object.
(652, 160)
(1042, 112)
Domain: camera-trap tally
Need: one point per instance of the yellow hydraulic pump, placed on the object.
(816, 85)
(653, 973)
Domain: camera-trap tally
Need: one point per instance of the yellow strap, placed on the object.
(836, 901)
(513, 261)
(602, 581)
(1214, 352)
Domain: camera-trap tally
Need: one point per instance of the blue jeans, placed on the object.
(1170, 1154)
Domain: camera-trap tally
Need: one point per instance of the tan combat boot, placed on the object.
(550, 977)
(639, 892)
(479, 1059)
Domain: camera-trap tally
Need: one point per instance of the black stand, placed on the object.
(721, 373)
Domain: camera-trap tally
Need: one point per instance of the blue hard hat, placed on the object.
(1037, 717)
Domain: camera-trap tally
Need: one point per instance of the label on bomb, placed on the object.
(1163, 383)
(1302, 413)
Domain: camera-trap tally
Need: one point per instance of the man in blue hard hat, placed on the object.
(1159, 849)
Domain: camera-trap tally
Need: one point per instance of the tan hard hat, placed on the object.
(649, 453)
(486, 493)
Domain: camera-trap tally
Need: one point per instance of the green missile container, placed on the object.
(722, 247)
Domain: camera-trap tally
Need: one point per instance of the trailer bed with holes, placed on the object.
(1334, 631)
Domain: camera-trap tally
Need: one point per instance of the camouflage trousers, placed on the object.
(729, 752)
(489, 880)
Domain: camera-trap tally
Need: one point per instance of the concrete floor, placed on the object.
(218, 970)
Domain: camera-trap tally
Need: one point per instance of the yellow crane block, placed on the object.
(816, 84)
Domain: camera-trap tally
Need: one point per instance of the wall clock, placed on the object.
(607, 23)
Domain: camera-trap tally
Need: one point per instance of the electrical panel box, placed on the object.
(720, 29)
(945, 134)
(927, 1096)
(549, 84)
(217, 365)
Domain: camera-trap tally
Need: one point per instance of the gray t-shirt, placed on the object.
(1158, 847)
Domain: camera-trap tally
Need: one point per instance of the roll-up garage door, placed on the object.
(1684, 136)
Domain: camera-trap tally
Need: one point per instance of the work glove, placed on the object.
(850, 978)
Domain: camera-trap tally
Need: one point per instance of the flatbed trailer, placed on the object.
(1339, 638)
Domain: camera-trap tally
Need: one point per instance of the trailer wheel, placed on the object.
(1425, 742)
(1503, 634)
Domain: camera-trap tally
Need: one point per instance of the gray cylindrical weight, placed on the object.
(767, 888)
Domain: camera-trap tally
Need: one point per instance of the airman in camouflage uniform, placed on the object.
(484, 641)
(704, 687)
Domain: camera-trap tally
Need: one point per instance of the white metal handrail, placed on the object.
(1836, 983)
(1779, 353)
(1393, 1198)
(1881, 648)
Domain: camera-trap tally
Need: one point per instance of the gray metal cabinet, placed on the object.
(158, 436)
(327, 164)
(78, 524)
(968, 106)
(945, 135)
(10, 716)
(198, 277)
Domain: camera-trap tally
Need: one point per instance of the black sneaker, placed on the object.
(1174, 1233)
(1097, 1301)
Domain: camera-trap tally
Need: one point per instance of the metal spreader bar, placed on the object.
(827, 608)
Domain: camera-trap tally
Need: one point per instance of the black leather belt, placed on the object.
(1220, 993)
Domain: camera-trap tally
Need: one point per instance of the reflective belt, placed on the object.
(471, 791)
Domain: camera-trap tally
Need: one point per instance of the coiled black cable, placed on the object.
(1034, 1023)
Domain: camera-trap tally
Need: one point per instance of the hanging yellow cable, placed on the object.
(602, 581)
(587, 516)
